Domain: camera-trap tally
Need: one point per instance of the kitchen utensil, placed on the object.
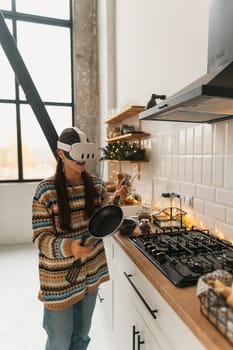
(73, 272)
(127, 226)
(104, 222)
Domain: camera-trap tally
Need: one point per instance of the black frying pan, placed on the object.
(104, 222)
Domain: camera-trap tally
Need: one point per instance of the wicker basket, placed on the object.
(214, 305)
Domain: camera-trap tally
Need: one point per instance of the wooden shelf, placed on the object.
(128, 161)
(125, 113)
(130, 136)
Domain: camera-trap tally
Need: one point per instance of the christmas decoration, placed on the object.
(123, 151)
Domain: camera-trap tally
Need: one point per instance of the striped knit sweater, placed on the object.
(55, 258)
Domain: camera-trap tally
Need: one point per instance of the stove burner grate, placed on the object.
(185, 255)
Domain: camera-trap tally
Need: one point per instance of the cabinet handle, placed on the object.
(99, 296)
(163, 106)
(134, 333)
(152, 312)
(140, 342)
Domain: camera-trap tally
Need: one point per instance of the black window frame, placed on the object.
(14, 16)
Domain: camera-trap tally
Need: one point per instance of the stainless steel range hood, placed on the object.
(210, 98)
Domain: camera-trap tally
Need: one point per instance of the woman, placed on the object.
(61, 208)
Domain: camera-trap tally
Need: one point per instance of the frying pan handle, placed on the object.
(83, 241)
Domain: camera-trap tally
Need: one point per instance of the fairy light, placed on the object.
(123, 151)
(188, 220)
(219, 234)
(112, 172)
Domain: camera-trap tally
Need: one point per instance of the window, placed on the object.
(43, 33)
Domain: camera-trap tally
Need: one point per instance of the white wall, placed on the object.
(15, 212)
(161, 46)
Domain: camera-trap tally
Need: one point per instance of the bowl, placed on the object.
(128, 226)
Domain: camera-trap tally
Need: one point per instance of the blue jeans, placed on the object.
(68, 329)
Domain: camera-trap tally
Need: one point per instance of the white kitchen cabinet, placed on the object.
(105, 291)
(134, 303)
(137, 316)
(129, 329)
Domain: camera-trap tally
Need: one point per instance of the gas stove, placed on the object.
(184, 255)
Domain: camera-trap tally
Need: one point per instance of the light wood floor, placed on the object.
(20, 310)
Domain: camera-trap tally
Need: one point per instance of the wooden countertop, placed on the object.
(183, 300)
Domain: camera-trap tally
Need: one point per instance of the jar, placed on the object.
(144, 213)
(145, 226)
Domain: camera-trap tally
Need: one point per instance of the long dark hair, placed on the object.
(70, 136)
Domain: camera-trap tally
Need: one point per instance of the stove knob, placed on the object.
(161, 257)
(151, 248)
(196, 267)
(154, 252)
(147, 245)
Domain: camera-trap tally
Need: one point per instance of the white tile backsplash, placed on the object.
(224, 197)
(198, 205)
(229, 219)
(206, 192)
(174, 165)
(215, 211)
(188, 188)
(197, 161)
(197, 169)
(169, 143)
(207, 170)
(229, 137)
(198, 140)
(225, 229)
(228, 174)
(182, 142)
(189, 169)
(189, 141)
(208, 138)
(163, 144)
(219, 138)
(181, 168)
(205, 222)
(169, 166)
(218, 170)
(174, 186)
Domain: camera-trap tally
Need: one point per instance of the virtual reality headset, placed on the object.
(79, 151)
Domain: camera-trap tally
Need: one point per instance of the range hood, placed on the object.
(210, 98)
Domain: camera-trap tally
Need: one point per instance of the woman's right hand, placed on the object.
(78, 250)
(121, 192)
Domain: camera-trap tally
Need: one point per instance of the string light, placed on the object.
(123, 151)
